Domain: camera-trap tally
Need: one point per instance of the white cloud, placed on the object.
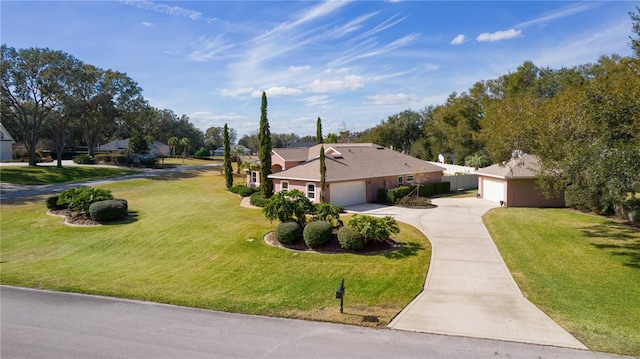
(299, 68)
(146, 23)
(317, 100)
(458, 40)
(278, 91)
(392, 99)
(564, 12)
(237, 91)
(349, 82)
(209, 48)
(499, 35)
(166, 9)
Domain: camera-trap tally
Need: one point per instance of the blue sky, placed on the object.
(351, 63)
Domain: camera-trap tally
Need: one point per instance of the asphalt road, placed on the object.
(44, 324)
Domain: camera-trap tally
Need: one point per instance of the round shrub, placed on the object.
(124, 201)
(258, 200)
(109, 210)
(288, 232)
(83, 159)
(317, 233)
(202, 153)
(350, 239)
(52, 203)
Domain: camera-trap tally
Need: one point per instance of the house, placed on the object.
(354, 171)
(156, 148)
(298, 144)
(220, 150)
(514, 184)
(6, 144)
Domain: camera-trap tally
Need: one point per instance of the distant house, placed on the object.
(220, 150)
(301, 144)
(514, 184)
(6, 144)
(355, 171)
(156, 149)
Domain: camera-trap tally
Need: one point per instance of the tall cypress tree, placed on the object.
(323, 173)
(264, 135)
(319, 139)
(228, 171)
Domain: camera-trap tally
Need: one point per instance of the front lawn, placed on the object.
(190, 243)
(582, 270)
(50, 174)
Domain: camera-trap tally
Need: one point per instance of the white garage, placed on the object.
(347, 193)
(493, 190)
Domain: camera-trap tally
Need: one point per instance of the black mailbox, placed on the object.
(340, 293)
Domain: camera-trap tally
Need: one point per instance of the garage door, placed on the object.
(493, 190)
(348, 193)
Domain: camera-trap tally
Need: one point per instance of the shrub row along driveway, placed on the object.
(469, 291)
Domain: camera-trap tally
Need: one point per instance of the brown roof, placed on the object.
(353, 161)
(292, 154)
(523, 166)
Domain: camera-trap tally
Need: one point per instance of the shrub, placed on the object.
(317, 233)
(425, 190)
(124, 202)
(288, 232)
(102, 158)
(258, 200)
(372, 228)
(414, 202)
(243, 190)
(122, 160)
(83, 159)
(397, 193)
(350, 239)
(79, 199)
(326, 212)
(287, 206)
(382, 196)
(148, 162)
(108, 210)
(52, 203)
(202, 153)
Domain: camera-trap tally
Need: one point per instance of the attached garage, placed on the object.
(492, 189)
(347, 193)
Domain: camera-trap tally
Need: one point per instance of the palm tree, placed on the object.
(185, 143)
(173, 143)
(238, 153)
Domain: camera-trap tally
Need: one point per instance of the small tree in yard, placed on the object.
(238, 153)
(228, 171)
(373, 228)
(264, 135)
(323, 173)
(288, 206)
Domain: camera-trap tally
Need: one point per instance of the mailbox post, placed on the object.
(340, 295)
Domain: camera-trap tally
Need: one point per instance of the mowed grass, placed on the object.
(191, 244)
(50, 174)
(582, 270)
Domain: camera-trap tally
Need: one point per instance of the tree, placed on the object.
(288, 206)
(323, 173)
(331, 138)
(319, 131)
(35, 84)
(477, 160)
(173, 142)
(138, 144)
(184, 142)
(213, 137)
(228, 171)
(635, 41)
(266, 184)
(238, 153)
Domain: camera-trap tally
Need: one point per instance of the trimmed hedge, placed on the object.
(288, 232)
(258, 200)
(103, 211)
(52, 203)
(243, 190)
(426, 190)
(316, 233)
(350, 239)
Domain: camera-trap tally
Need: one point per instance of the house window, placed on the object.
(409, 178)
(284, 186)
(254, 177)
(311, 191)
(400, 180)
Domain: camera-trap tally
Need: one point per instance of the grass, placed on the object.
(50, 174)
(582, 270)
(191, 244)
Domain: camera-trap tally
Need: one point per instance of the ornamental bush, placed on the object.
(258, 200)
(79, 199)
(288, 232)
(287, 206)
(326, 212)
(52, 203)
(243, 190)
(350, 239)
(83, 159)
(109, 210)
(373, 228)
(202, 153)
(316, 233)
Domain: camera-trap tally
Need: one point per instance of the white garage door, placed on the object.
(348, 193)
(492, 190)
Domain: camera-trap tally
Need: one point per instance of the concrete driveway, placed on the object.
(469, 291)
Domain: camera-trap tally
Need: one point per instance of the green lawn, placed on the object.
(190, 243)
(50, 174)
(582, 270)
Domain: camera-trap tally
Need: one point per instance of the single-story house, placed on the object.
(220, 150)
(6, 144)
(298, 144)
(157, 148)
(514, 184)
(354, 171)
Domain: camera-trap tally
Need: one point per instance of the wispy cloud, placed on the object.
(207, 48)
(458, 40)
(351, 26)
(317, 100)
(559, 14)
(392, 99)
(278, 91)
(349, 82)
(499, 35)
(299, 68)
(166, 9)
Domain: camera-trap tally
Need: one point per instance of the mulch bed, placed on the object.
(332, 245)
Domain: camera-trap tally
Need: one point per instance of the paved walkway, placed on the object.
(469, 291)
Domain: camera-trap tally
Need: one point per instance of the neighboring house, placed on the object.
(220, 150)
(355, 171)
(514, 184)
(156, 149)
(6, 144)
(301, 144)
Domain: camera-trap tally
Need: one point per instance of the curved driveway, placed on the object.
(469, 291)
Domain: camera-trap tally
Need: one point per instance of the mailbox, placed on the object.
(340, 293)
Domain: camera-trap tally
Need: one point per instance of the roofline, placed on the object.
(507, 177)
(275, 175)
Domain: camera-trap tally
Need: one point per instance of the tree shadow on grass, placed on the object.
(404, 250)
(617, 239)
